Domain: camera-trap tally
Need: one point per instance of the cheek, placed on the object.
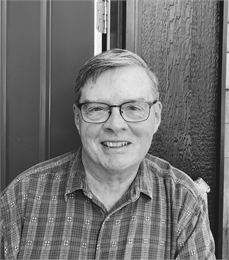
(84, 133)
(144, 136)
(88, 134)
(146, 142)
(145, 130)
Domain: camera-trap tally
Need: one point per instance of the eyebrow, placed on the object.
(124, 101)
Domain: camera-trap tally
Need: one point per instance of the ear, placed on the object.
(76, 117)
(157, 111)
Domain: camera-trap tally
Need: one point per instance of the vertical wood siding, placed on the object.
(181, 41)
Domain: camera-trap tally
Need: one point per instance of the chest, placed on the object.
(80, 229)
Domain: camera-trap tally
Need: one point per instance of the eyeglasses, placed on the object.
(133, 111)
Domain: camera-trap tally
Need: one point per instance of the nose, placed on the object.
(115, 122)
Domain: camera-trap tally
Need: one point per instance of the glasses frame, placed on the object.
(150, 104)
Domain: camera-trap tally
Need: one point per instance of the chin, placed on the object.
(116, 165)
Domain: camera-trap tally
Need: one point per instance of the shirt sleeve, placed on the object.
(4, 246)
(194, 237)
(2, 236)
(10, 222)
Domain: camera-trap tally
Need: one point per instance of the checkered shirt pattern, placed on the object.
(49, 212)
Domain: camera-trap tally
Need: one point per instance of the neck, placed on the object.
(109, 186)
(109, 176)
(108, 191)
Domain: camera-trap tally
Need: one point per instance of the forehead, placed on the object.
(118, 85)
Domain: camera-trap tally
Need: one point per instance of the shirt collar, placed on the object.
(76, 179)
(142, 182)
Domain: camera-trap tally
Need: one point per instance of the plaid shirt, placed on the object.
(49, 212)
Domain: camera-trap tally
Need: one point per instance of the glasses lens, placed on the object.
(135, 111)
(95, 112)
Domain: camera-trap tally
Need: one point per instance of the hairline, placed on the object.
(102, 70)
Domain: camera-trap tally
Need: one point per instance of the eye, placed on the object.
(132, 107)
(96, 109)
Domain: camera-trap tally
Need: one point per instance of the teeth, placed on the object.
(115, 144)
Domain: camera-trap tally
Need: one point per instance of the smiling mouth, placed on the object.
(115, 144)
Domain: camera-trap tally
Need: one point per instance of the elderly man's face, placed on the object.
(117, 145)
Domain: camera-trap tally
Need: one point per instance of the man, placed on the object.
(110, 199)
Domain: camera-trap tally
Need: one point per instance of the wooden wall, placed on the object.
(182, 42)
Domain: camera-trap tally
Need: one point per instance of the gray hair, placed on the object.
(111, 60)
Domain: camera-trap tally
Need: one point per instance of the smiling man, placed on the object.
(110, 199)
(116, 116)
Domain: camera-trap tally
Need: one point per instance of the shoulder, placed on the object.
(173, 187)
(50, 168)
(172, 179)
